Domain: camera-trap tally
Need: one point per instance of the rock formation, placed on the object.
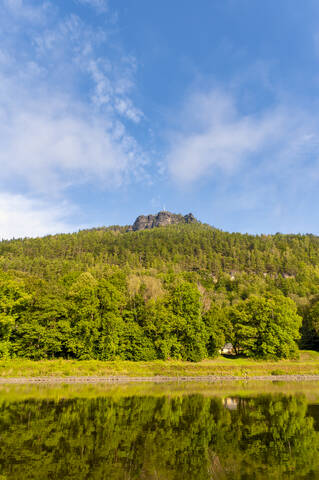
(161, 219)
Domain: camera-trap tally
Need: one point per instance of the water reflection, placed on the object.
(191, 437)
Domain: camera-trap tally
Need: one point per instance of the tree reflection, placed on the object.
(146, 438)
(273, 438)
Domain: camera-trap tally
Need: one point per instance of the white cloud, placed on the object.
(62, 121)
(101, 6)
(72, 46)
(214, 137)
(21, 216)
(26, 10)
(49, 144)
(51, 138)
(112, 88)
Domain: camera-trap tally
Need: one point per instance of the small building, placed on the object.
(227, 349)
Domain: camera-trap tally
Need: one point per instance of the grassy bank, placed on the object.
(307, 364)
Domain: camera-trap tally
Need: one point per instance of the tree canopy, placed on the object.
(179, 291)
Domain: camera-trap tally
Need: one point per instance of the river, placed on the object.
(190, 431)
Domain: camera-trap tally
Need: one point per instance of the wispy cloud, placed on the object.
(101, 6)
(26, 10)
(214, 138)
(23, 216)
(112, 87)
(55, 134)
(261, 167)
(49, 144)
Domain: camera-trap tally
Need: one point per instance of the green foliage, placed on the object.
(176, 292)
(266, 327)
(13, 299)
(218, 327)
(310, 327)
(84, 317)
(187, 324)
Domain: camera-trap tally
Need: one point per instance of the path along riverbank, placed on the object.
(156, 379)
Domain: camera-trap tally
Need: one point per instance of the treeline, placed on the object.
(113, 316)
(173, 292)
(193, 246)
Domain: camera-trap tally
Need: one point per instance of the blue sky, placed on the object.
(111, 109)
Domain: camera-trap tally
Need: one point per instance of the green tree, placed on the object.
(187, 322)
(219, 329)
(266, 327)
(84, 316)
(310, 328)
(13, 300)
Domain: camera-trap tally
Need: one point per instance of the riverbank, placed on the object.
(221, 367)
(159, 379)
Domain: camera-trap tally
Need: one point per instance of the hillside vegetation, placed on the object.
(179, 291)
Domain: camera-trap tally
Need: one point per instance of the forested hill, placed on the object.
(191, 247)
(177, 291)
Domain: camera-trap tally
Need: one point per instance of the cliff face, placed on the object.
(161, 219)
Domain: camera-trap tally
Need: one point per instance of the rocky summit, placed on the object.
(161, 219)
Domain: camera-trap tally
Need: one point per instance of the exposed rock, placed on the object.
(161, 219)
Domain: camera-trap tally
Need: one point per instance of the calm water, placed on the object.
(159, 434)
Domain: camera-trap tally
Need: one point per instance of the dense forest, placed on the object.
(179, 291)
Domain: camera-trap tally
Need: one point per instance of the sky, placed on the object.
(114, 108)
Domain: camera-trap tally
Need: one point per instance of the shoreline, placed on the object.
(121, 379)
(20, 370)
